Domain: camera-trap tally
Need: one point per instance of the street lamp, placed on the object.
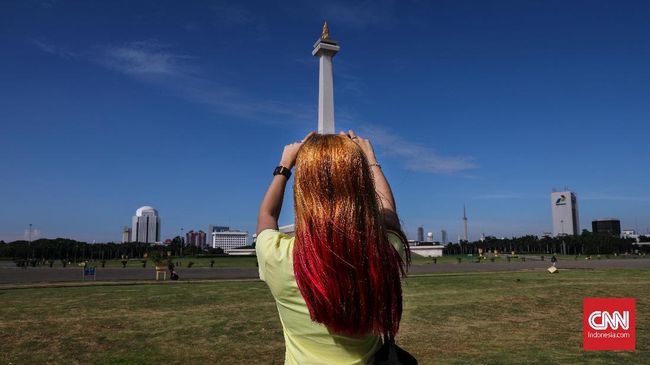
(30, 233)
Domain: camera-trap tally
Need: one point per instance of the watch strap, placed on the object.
(281, 170)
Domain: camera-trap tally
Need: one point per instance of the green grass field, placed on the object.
(529, 317)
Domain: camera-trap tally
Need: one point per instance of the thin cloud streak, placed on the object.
(156, 64)
(144, 59)
(52, 49)
(416, 157)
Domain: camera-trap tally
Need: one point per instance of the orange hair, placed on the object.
(346, 269)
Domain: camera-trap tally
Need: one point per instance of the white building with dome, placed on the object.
(146, 225)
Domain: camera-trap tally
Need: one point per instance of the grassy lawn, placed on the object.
(479, 318)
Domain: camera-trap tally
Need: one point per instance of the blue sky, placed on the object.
(185, 106)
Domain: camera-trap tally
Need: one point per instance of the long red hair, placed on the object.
(346, 270)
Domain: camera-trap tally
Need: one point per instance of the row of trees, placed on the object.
(67, 249)
(585, 244)
(75, 251)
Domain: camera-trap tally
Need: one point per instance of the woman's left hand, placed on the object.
(291, 151)
(363, 143)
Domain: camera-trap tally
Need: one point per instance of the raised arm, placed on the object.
(382, 187)
(269, 212)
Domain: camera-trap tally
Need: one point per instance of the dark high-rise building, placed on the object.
(195, 238)
(606, 226)
(420, 234)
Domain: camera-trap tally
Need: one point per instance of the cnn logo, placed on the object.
(602, 320)
(609, 324)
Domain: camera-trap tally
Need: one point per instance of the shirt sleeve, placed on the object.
(272, 249)
(262, 243)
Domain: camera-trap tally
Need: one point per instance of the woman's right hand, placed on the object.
(364, 144)
(290, 152)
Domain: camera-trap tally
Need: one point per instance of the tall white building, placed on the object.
(146, 225)
(227, 240)
(564, 208)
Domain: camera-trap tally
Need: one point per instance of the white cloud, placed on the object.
(417, 157)
(52, 49)
(157, 64)
(144, 59)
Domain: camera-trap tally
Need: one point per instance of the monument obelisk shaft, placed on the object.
(325, 48)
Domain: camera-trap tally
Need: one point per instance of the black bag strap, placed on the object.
(387, 354)
(391, 354)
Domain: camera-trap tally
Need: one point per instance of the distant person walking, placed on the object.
(553, 260)
(337, 282)
(173, 275)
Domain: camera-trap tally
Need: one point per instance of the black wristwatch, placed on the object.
(281, 170)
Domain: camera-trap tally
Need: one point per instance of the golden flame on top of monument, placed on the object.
(325, 35)
(326, 31)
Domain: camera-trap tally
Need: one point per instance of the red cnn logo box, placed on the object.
(609, 324)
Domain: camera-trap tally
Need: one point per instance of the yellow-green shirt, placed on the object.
(307, 342)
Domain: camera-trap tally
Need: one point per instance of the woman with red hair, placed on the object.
(336, 283)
